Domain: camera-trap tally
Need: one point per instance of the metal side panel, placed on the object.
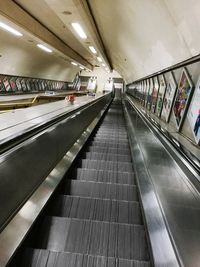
(15, 232)
(163, 253)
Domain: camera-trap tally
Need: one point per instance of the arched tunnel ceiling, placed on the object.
(137, 37)
(145, 36)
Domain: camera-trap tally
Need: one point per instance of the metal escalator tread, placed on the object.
(101, 190)
(95, 220)
(112, 150)
(46, 258)
(107, 165)
(107, 156)
(103, 176)
(111, 144)
(97, 209)
(107, 239)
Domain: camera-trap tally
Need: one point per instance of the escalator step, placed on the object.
(111, 139)
(107, 157)
(112, 150)
(97, 209)
(95, 238)
(103, 176)
(46, 258)
(107, 165)
(101, 190)
(110, 144)
(110, 134)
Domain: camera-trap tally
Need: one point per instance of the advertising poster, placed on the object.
(13, 84)
(149, 98)
(161, 94)
(18, 83)
(1, 84)
(143, 92)
(154, 94)
(23, 84)
(145, 87)
(182, 98)
(169, 97)
(194, 113)
(147, 92)
(28, 86)
(6, 84)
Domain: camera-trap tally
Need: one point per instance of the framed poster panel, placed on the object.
(28, 84)
(23, 83)
(169, 97)
(183, 95)
(161, 94)
(149, 98)
(142, 92)
(6, 84)
(18, 83)
(194, 113)
(154, 94)
(147, 91)
(13, 84)
(2, 88)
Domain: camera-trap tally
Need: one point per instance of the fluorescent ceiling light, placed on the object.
(81, 67)
(9, 29)
(74, 63)
(107, 69)
(99, 59)
(103, 65)
(46, 49)
(92, 49)
(77, 27)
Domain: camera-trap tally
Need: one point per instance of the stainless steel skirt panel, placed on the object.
(178, 198)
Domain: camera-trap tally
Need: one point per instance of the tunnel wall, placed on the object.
(178, 112)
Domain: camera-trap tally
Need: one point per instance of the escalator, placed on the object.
(95, 218)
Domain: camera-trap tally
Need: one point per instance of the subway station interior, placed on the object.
(99, 133)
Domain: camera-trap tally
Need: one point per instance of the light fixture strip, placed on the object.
(92, 49)
(46, 49)
(10, 29)
(99, 59)
(77, 27)
(74, 63)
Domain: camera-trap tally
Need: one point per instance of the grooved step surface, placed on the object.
(107, 157)
(111, 139)
(107, 149)
(102, 190)
(110, 144)
(97, 209)
(103, 176)
(46, 258)
(96, 238)
(107, 165)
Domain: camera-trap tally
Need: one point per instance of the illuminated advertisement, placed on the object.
(154, 94)
(194, 113)
(169, 97)
(149, 98)
(182, 98)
